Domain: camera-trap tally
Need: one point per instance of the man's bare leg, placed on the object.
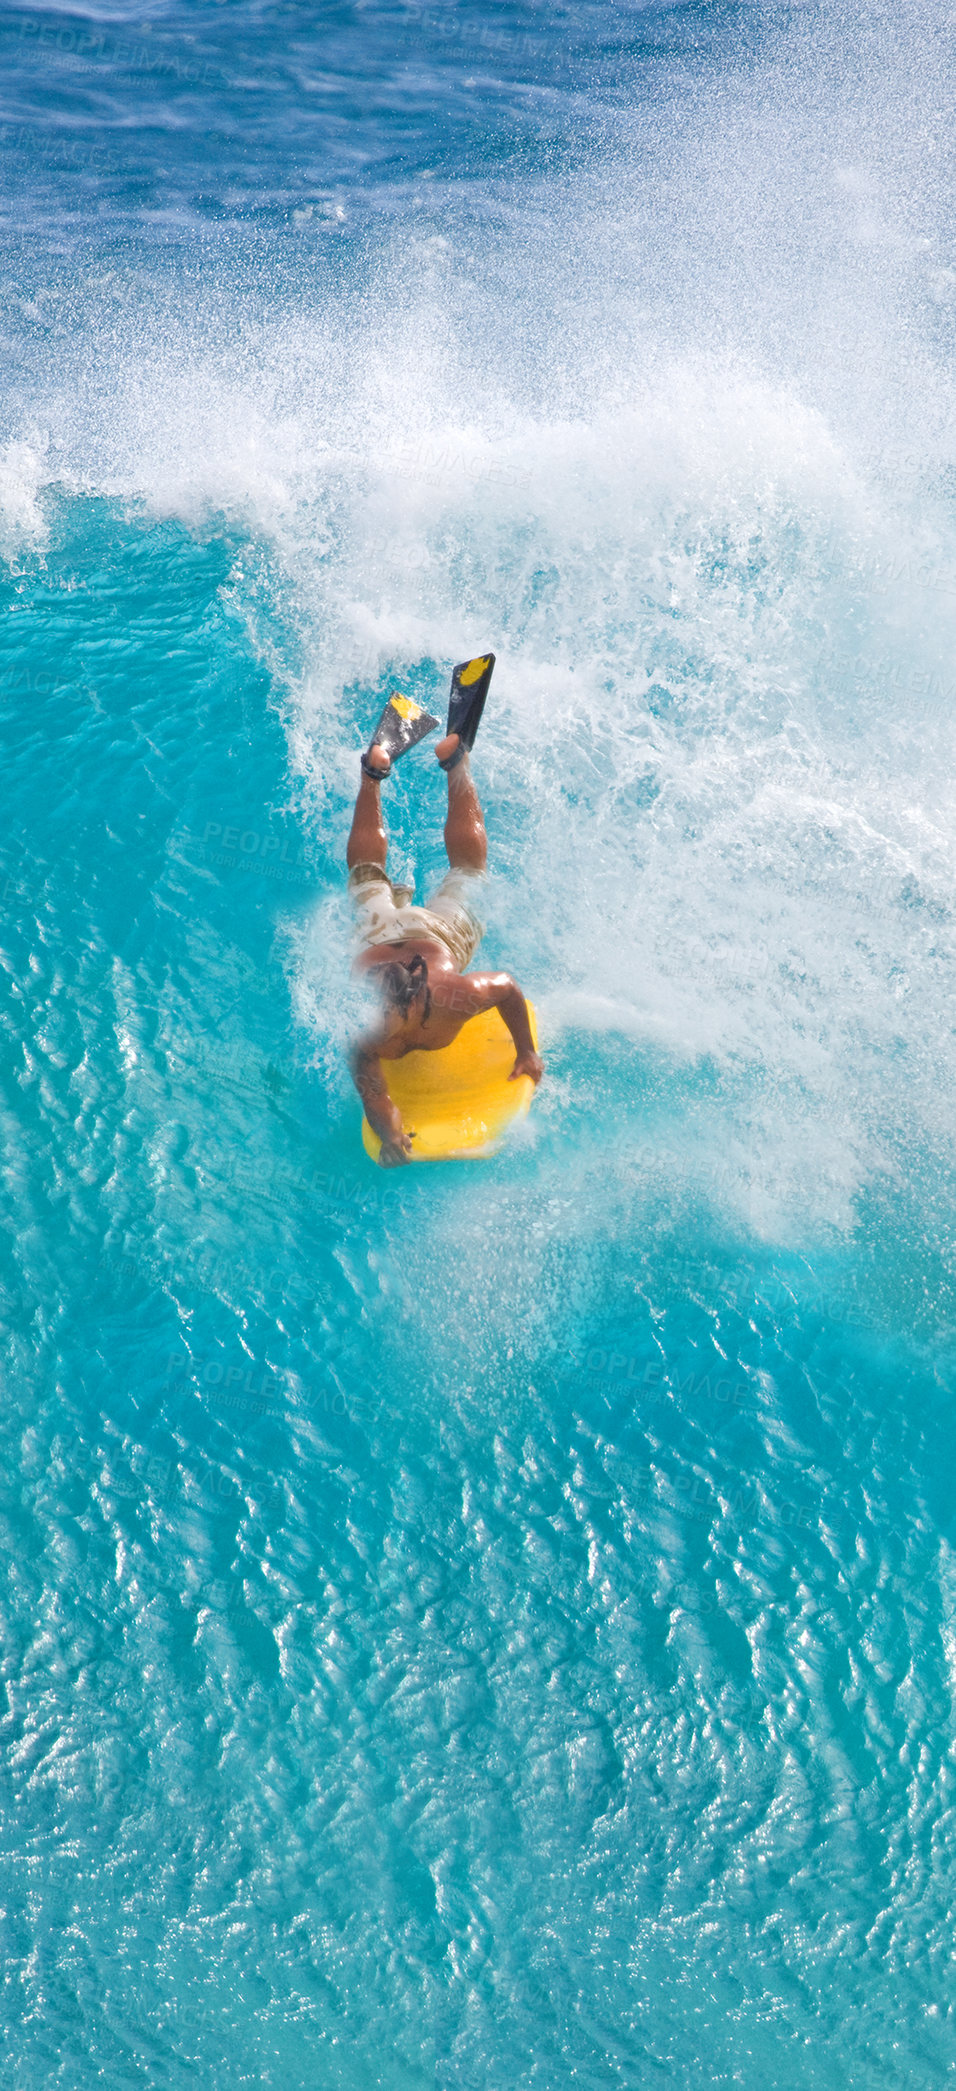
(368, 842)
(465, 838)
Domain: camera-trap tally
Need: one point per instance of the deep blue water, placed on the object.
(482, 1626)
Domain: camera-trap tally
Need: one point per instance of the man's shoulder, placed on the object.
(481, 982)
(471, 991)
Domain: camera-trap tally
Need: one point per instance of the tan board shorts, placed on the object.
(386, 914)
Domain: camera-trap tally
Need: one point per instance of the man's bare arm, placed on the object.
(474, 992)
(514, 1009)
(383, 1116)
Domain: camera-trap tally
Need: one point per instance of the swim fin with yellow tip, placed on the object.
(469, 688)
(403, 722)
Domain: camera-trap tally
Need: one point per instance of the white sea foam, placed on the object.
(689, 490)
(22, 474)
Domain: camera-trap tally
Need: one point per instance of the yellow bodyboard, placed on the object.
(458, 1102)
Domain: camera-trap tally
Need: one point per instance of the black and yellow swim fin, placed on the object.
(469, 688)
(403, 722)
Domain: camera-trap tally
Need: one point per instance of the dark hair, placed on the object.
(400, 984)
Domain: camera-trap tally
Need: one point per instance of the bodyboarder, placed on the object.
(418, 957)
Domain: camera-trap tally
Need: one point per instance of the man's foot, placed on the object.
(377, 763)
(449, 752)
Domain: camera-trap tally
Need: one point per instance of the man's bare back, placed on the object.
(428, 998)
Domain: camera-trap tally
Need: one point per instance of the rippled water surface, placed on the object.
(479, 1626)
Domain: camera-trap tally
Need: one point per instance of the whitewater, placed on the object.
(486, 1624)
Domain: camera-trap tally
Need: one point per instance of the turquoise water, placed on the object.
(480, 1626)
